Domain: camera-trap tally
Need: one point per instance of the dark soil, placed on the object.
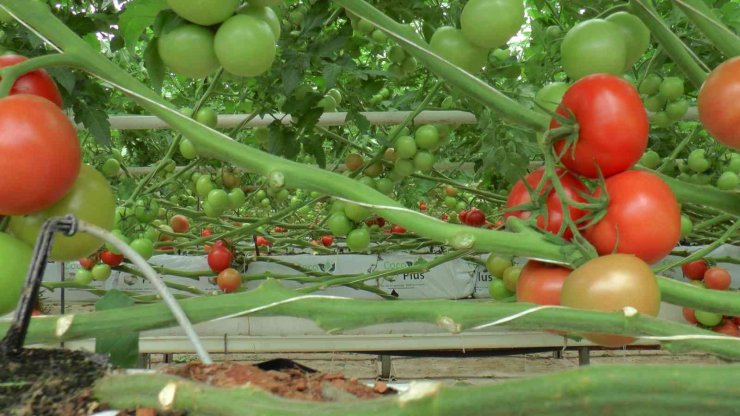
(41, 382)
(293, 383)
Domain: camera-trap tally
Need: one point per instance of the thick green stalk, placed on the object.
(330, 313)
(677, 50)
(685, 192)
(471, 85)
(292, 174)
(704, 18)
(680, 293)
(590, 391)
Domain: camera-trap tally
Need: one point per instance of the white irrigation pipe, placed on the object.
(153, 277)
(135, 122)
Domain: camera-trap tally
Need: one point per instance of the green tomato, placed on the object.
(237, 198)
(100, 272)
(328, 103)
(356, 212)
(405, 147)
(265, 14)
(397, 54)
(385, 186)
(423, 161)
(403, 168)
(337, 206)
(672, 88)
(697, 162)
(358, 239)
(187, 149)
(511, 275)
(367, 181)
(675, 110)
(491, 23)
(450, 202)
(708, 318)
(379, 36)
(83, 277)
(204, 12)
(339, 224)
(218, 199)
(151, 233)
(210, 211)
(365, 26)
(461, 205)
(144, 247)
(728, 181)
(207, 116)
(498, 291)
(687, 226)
(90, 199)
(734, 164)
(452, 45)
(548, 97)
(497, 265)
(655, 103)
(650, 159)
(593, 46)
(145, 212)
(501, 54)
(553, 32)
(14, 263)
(636, 35)
(282, 195)
(111, 167)
(427, 137)
(188, 50)
(336, 94)
(651, 84)
(203, 186)
(661, 119)
(245, 46)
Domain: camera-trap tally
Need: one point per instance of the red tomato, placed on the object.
(695, 270)
(688, 315)
(263, 242)
(111, 259)
(327, 240)
(422, 206)
(39, 154)
(207, 232)
(180, 223)
(463, 216)
(643, 217)
(717, 278)
(719, 103)
(229, 280)
(380, 221)
(475, 217)
(219, 259)
(397, 229)
(573, 187)
(36, 82)
(444, 217)
(87, 263)
(727, 327)
(541, 283)
(613, 126)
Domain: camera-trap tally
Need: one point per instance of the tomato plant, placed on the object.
(229, 280)
(552, 222)
(719, 107)
(91, 200)
(541, 283)
(39, 153)
(37, 82)
(610, 283)
(612, 122)
(642, 217)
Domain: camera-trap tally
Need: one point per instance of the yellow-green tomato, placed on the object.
(15, 257)
(90, 199)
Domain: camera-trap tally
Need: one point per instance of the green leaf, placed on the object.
(96, 122)
(154, 66)
(138, 15)
(64, 77)
(314, 146)
(123, 348)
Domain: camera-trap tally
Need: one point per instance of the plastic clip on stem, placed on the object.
(13, 341)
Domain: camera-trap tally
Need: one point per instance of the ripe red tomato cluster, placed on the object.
(220, 257)
(700, 273)
(473, 217)
(642, 214)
